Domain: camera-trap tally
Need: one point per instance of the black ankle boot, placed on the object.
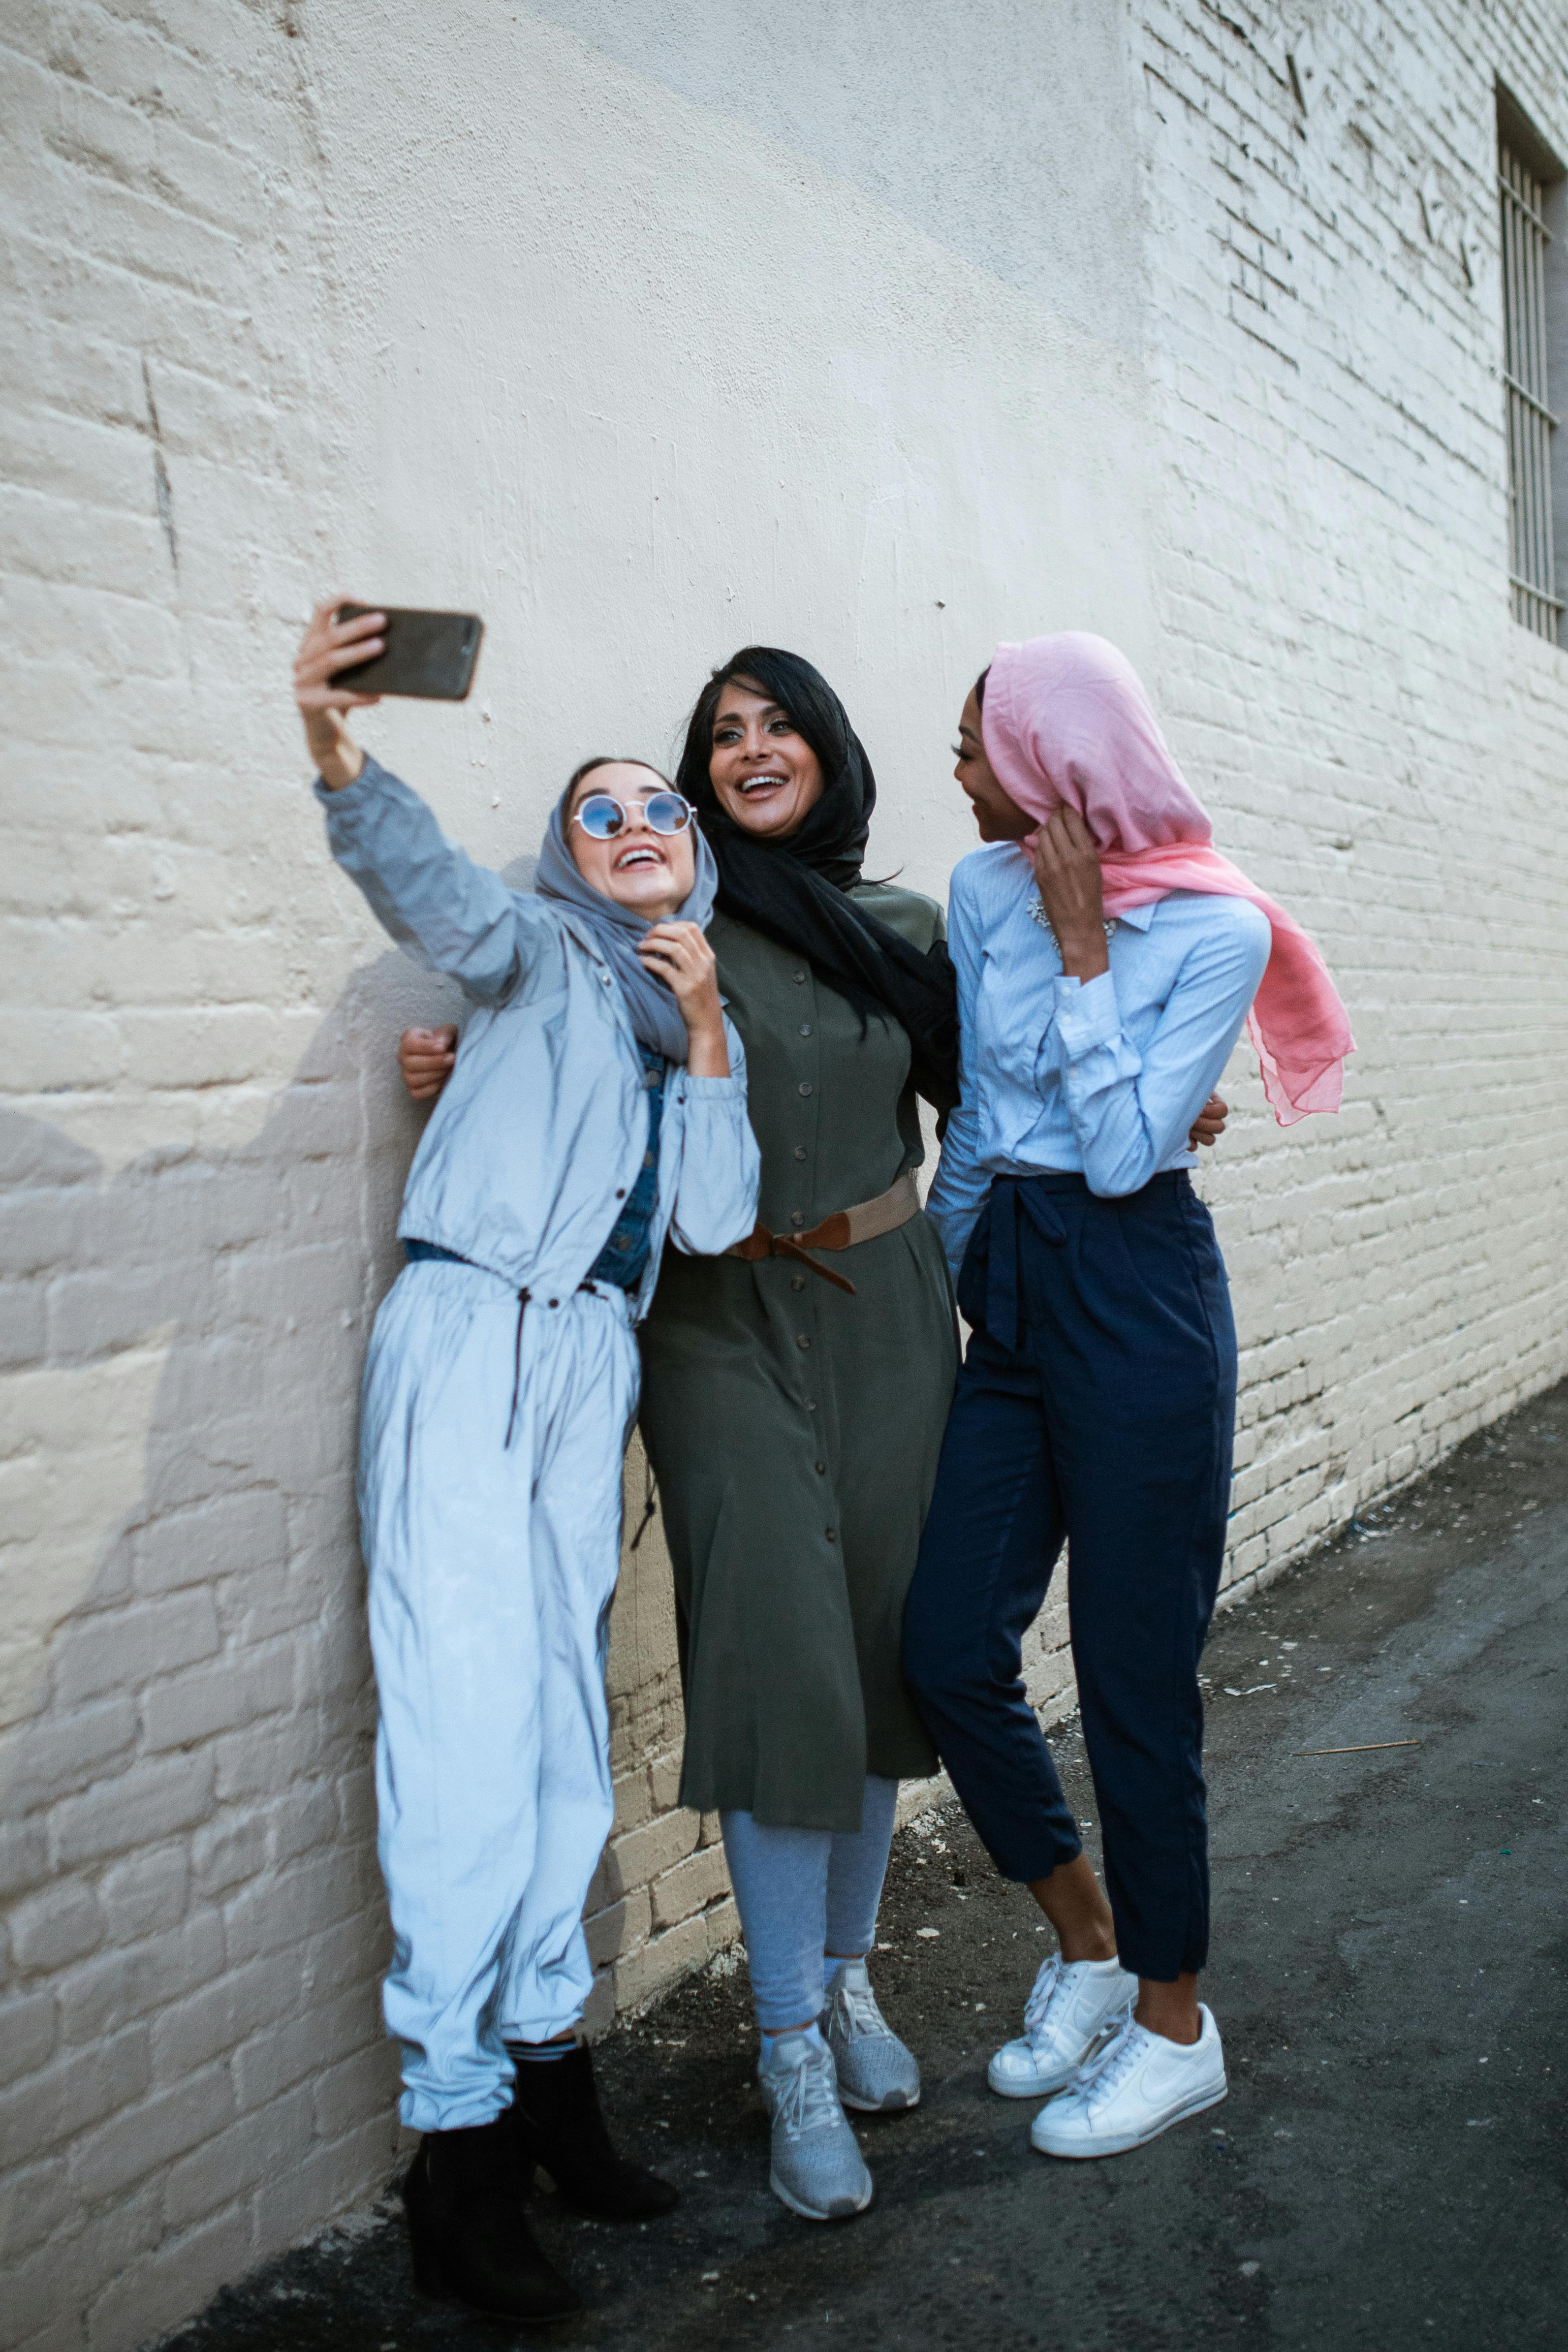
(555, 2120)
(463, 2195)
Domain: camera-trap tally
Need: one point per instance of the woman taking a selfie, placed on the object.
(597, 1107)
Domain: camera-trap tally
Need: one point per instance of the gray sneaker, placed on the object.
(817, 2170)
(877, 2074)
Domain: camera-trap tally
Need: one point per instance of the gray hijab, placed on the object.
(656, 1016)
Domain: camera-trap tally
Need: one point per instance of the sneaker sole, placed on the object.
(842, 2210)
(1041, 2088)
(894, 2104)
(1124, 2146)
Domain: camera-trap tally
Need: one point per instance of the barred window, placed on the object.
(1529, 188)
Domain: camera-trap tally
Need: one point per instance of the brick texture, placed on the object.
(1382, 743)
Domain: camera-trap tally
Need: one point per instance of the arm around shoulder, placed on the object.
(915, 917)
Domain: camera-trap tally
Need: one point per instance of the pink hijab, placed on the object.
(1064, 720)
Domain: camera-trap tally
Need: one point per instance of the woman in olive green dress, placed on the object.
(794, 1395)
(792, 1421)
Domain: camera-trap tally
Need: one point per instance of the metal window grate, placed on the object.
(1530, 423)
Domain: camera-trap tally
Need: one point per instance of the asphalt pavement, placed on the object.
(1388, 1975)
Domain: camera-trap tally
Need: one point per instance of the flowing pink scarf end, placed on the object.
(1295, 1090)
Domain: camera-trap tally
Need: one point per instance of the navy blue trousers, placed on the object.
(1096, 1406)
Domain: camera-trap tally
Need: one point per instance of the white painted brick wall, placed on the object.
(233, 366)
(1384, 745)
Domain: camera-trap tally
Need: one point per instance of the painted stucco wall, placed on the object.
(881, 333)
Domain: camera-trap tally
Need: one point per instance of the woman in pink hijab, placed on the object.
(1108, 956)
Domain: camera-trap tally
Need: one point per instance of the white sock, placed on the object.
(811, 2034)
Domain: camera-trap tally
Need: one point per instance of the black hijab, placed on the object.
(796, 891)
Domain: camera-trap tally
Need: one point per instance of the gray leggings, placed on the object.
(801, 1893)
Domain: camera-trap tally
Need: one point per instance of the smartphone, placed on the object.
(429, 655)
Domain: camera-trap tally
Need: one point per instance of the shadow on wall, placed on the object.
(195, 2065)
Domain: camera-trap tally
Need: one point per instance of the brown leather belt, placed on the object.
(885, 1214)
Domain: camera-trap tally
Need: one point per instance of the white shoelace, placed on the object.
(859, 2003)
(1037, 2007)
(809, 2100)
(1107, 2063)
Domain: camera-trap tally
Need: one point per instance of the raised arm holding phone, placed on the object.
(597, 1107)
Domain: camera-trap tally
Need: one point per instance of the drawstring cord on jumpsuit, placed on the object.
(416, 1252)
(516, 1372)
(649, 1502)
(650, 1490)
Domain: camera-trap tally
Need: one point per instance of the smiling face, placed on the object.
(765, 774)
(651, 873)
(998, 816)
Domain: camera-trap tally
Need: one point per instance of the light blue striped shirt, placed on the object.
(1103, 1078)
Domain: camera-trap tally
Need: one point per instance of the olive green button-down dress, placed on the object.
(794, 1431)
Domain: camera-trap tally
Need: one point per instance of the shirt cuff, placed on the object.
(352, 796)
(1087, 1015)
(713, 1090)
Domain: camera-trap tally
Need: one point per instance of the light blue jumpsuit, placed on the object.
(491, 1440)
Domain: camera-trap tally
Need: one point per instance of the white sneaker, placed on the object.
(1132, 2091)
(1074, 2002)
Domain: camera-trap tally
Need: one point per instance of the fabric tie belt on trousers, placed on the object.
(1012, 1197)
(864, 1223)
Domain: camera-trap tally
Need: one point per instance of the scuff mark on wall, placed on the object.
(162, 490)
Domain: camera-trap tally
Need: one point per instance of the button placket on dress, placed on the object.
(806, 1211)
(865, 1411)
(805, 1061)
